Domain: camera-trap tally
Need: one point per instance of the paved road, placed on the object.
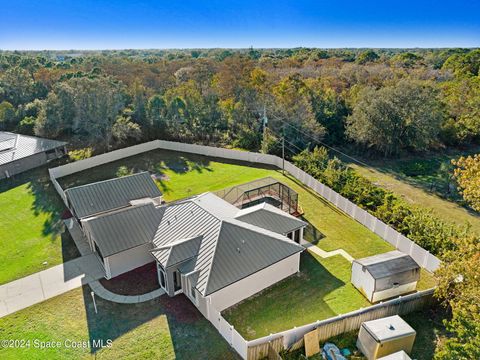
(30, 290)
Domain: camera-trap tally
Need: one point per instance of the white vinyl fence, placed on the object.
(424, 258)
(332, 326)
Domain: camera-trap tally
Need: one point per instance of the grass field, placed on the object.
(164, 328)
(424, 181)
(321, 290)
(32, 234)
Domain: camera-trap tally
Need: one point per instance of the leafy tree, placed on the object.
(124, 128)
(26, 126)
(407, 115)
(459, 288)
(18, 86)
(464, 63)
(467, 174)
(156, 112)
(366, 57)
(7, 115)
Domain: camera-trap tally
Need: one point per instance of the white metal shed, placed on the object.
(384, 276)
(385, 336)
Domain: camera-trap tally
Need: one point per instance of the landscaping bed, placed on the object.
(138, 281)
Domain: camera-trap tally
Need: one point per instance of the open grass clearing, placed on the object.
(164, 328)
(32, 235)
(423, 181)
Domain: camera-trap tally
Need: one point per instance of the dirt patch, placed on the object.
(139, 281)
(180, 308)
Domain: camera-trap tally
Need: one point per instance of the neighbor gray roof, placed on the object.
(16, 146)
(98, 197)
(388, 328)
(124, 229)
(271, 218)
(230, 249)
(388, 264)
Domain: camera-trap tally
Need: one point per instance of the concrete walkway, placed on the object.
(326, 254)
(99, 290)
(33, 289)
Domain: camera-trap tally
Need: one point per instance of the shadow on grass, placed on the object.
(165, 321)
(312, 234)
(295, 301)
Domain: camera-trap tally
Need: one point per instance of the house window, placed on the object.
(177, 281)
(297, 236)
(290, 235)
(162, 279)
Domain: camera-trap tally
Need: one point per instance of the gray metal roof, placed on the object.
(16, 146)
(124, 229)
(271, 218)
(388, 264)
(98, 197)
(244, 249)
(388, 328)
(218, 262)
(177, 252)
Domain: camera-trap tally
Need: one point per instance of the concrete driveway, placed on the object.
(33, 289)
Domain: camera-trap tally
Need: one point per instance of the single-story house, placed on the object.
(19, 153)
(203, 246)
(385, 336)
(384, 276)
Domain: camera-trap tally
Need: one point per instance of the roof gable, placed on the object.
(178, 252)
(243, 250)
(98, 197)
(124, 229)
(388, 264)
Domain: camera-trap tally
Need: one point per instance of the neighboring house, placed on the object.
(384, 276)
(204, 247)
(19, 153)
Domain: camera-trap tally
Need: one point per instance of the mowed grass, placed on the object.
(424, 181)
(320, 290)
(32, 236)
(164, 328)
(186, 175)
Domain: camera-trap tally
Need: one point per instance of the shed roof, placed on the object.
(399, 355)
(98, 197)
(388, 264)
(388, 328)
(16, 146)
(271, 218)
(124, 229)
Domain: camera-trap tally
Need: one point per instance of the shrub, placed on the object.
(80, 154)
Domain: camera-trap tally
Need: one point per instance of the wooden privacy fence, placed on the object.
(267, 349)
(293, 338)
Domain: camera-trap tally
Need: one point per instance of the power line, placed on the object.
(322, 143)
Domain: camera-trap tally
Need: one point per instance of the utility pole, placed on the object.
(283, 155)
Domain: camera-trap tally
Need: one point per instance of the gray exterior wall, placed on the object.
(27, 163)
(127, 260)
(24, 164)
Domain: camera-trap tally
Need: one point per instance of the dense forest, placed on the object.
(378, 103)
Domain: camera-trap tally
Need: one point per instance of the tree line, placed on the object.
(377, 102)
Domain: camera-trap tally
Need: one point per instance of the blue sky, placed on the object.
(119, 24)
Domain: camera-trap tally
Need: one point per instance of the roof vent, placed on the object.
(391, 327)
(238, 249)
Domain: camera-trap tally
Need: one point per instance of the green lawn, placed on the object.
(189, 174)
(423, 181)
(30, 226)
(164, 328)
(321, 290)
